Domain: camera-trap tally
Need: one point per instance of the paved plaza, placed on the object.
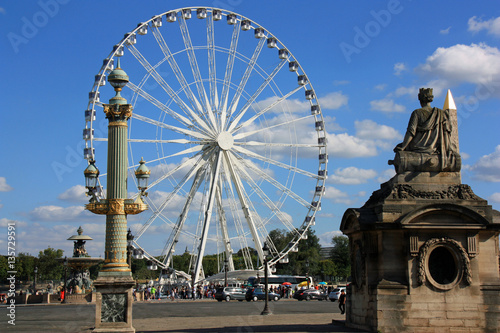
(186, 316)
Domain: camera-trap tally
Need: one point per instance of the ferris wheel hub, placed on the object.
(225, 140)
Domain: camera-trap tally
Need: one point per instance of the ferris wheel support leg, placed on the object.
(223, 227)
(244, 206)
(208, 215)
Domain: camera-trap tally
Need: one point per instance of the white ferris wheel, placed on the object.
(231, 129)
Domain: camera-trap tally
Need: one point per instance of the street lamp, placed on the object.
(115, 275)
(265, 251)
(142, 174)
(65, 262)
(91, 173)
(226, 264)
(307, 272)
(130, 239)
(34, 283)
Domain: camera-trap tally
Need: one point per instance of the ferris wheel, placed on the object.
(231, 129)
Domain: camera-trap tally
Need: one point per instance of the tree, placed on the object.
(49, 268)
(340, 255)
(308, 250)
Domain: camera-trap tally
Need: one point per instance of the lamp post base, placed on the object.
(114, 304)
(266, 312)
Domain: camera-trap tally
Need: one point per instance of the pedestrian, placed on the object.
(342, 299)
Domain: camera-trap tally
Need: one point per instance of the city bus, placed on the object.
(279, 280)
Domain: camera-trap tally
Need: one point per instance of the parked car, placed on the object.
(309, 294)
(335, 293)
(229, 293)
(259, 293)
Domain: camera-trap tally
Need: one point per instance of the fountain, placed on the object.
(79, 279)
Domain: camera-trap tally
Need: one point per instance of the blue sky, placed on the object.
(365, 59)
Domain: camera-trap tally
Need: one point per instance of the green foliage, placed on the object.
(49, 268)
(340, 255)
(308, 251)
(4, 267)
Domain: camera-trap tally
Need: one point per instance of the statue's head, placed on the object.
(425, 95)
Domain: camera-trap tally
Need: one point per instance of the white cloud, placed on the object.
(368, 129)
(333, 100)
(495, 197)
(347, 146)
(2, 10)
(74, 194)
(380, 87)
(386, 105)
(325, 238)
(445, 31)
(410, 91)
(464, 156)
(386, 175)
(351, 176)
(399, 68)
(57, 213)
(453, 65)
(492, 26)
(4, 223)
(337, 196)
(488, 167)
(4, 187)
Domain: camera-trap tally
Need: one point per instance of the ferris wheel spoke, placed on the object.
(177, 71)
(159, 105)
(196, 162)
(183, 131)
(223, 227)
(171, 195)
(270, 144)
(212, 74)
(274, 162)
(267, 201)
(240, 230)
(240, 190)
(275, 183)
(181, 141)
(214, 180)
(176, 230)
(257, 93)
(246, 76)
(245, 134)
(229, 73)
(266, 109)
(205, 103)
(159, 79)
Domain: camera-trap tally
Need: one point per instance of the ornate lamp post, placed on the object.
(65, 262)
(130, 239)
(34, 282)
(226, 265)
(307, 272)
(265, 251)
(114, 282)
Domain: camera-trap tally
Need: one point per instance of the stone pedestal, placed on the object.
(114, 304)
(425, 257)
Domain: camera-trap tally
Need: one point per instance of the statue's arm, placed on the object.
(410, 133)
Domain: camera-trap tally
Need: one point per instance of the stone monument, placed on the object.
(424, 248)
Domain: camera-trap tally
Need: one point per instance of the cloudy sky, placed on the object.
(366, 61)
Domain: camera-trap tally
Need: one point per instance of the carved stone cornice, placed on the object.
(408, 192)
